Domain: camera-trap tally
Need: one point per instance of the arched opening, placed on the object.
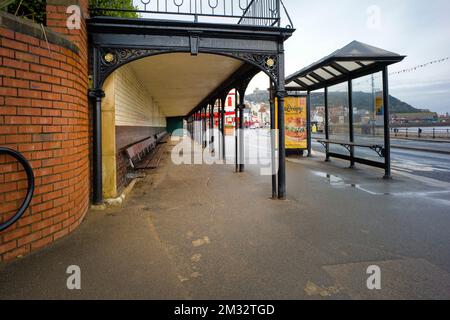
(144, 95)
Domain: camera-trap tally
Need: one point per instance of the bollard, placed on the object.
(434, 133)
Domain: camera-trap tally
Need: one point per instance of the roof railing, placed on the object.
(263, 13)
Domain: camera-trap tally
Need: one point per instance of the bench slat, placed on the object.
(142, 154)
(353, 144)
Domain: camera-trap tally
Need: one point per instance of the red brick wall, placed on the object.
(44, 115)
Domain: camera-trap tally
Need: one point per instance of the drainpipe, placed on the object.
(96, 97)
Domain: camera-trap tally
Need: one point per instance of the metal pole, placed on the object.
(219, 128)
(236, 103)
(219, 115)
(281, 124)
(241, 131)
(279, 13)
(211, 126)
(198, 127)
(308, 122)
(350, 123)
(222, 102)
(272, 140)
(327, 131)
(204, 127)
(387, 136)
(281, 148)
(208, 115)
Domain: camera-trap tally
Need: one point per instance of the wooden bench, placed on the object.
(146, 154)
(161, 137)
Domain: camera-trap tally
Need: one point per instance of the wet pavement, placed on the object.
(205, 232)
(409, 162)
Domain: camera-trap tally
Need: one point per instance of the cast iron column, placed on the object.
(241, 131)
(219, 128)
(204, 127)
(387, 133)
(207, 133)
(200, 128)
(350, 120)
(308, 122)
(281, 147)
(211, 125)
(281, 125)
(222, 115)
(327, 132)
(272, 140)
(196, 126)
(236, 128)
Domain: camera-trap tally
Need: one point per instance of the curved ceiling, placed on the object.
(179, 82)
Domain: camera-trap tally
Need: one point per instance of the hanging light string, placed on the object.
(407, 70)
(420, 66)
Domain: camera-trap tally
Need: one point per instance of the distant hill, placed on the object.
(361, 100)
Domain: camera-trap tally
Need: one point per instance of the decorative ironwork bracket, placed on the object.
(266, 62)
(113, 58)
(380, 150)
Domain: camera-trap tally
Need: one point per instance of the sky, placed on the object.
(416, 28)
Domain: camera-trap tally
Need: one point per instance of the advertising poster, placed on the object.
(296, 123)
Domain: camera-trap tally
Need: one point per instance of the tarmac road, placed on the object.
(409, 157)
(418, 163)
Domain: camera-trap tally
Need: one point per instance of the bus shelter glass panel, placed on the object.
(338, 116)
(368, 111)
(318, 114)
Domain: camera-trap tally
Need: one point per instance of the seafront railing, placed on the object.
(421, 133)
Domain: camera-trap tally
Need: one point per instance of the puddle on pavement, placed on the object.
(336, 181)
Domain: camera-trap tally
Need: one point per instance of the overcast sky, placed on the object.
(419, 29)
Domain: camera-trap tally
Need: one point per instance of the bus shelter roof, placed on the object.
(355, 60)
